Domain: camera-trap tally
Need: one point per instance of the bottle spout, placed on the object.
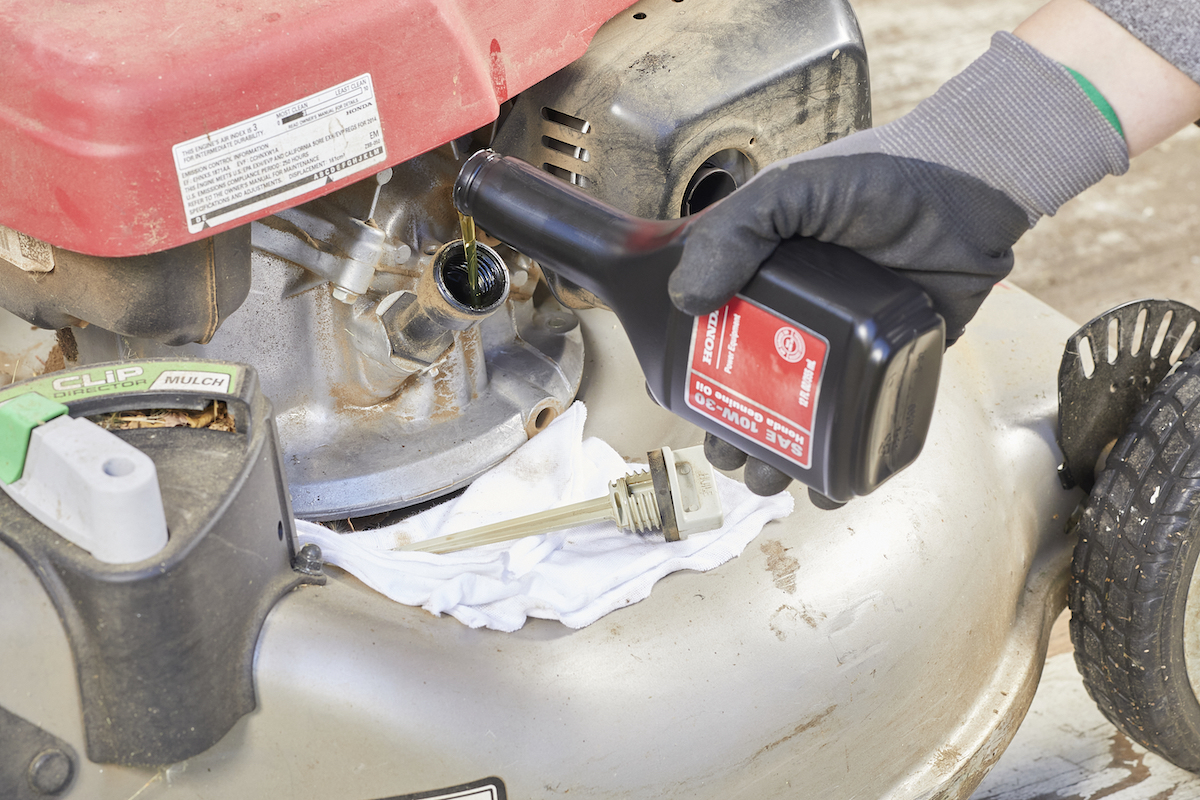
(560, 226)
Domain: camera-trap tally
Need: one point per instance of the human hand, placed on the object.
(940, 195)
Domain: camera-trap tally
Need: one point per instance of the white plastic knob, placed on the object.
(693, 490)
(93, 489)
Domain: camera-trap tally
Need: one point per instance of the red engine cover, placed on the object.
(114, 114)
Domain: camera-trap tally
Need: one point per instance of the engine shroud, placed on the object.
(675, 104)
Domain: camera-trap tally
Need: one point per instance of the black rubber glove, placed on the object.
(940, 194)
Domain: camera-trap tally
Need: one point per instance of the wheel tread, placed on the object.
(1131, 570)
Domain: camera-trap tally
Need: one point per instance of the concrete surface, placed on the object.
(1066, 750)
(1126, 238)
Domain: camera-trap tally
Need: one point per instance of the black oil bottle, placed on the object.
(825, 365)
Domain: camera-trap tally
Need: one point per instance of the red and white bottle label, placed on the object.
(758, 374)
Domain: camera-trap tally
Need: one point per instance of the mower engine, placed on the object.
(194, 197)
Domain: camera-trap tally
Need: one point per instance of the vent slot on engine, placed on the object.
(574, 123)
(572, 150)
(581, 181)
(575, 128)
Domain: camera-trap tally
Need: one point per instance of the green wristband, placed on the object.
(1097, 99)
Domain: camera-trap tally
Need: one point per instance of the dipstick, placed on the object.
(679, 482)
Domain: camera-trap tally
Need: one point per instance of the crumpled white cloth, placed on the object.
(576, 576)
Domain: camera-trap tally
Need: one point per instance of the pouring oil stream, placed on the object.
(467, 225)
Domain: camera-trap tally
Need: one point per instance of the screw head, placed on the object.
(50, 771)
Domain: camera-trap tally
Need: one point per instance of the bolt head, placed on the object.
(50, 771)
(308, 560)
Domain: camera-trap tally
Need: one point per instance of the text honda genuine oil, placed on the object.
(825, 365)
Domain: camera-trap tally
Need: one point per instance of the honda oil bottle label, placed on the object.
(281, 154)
(759, 375)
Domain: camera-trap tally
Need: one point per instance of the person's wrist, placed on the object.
(1151, 97)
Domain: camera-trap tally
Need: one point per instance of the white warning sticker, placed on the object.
(25, 252)
(281, 154)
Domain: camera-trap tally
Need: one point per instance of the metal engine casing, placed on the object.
(359, 435)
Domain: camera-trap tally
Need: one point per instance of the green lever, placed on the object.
(18, 418)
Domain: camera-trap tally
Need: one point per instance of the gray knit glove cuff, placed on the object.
(1016, 120)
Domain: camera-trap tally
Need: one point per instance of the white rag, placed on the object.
(576, 576)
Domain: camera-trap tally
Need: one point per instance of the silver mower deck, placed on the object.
(886, 649)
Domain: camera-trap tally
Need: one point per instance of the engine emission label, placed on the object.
(278, 155)
(759, 375)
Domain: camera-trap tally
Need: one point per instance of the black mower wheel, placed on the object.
(1135, 593)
